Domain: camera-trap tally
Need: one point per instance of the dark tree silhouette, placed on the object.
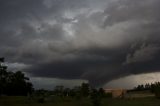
(58, 90)
(3, 76)
(156, 89)
(153, 87)
(95, 98)
(101, 92)
(13, 83)
(85, 88)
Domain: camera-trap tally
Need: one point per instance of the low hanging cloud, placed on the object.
(145, 53)
(91, 40)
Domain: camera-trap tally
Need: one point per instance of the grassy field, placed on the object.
(24, 101)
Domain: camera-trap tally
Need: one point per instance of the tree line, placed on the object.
(153, 87)
(77, 92)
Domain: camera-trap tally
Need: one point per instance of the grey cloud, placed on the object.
(72, 39)
(50, 83)
(92, 65)
(145, 53)
(125, 10)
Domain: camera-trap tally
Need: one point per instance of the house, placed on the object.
(139, 94)
(116, 93)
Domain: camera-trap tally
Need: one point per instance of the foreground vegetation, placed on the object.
(13, 83)
(55, 101)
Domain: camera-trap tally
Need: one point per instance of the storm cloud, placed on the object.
(90, 40)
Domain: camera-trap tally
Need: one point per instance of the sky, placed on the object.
(108, 43)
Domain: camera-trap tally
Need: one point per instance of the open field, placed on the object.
(24, 101)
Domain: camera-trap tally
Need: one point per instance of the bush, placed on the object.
(156, 89)
(95, 98)
(41, 100)
(157, 92)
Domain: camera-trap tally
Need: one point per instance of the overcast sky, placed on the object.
(73, 41)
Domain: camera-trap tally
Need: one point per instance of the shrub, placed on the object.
(95, 98)
(41, 100)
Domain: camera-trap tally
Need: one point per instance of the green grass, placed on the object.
(24, 101)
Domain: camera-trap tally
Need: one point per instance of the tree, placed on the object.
(13, 83)
(156, 89)
(75, 92)
(3, 76)
(58, 90)
(19, 84)
(101, 92)
(66, 92)
(85, 89)
(95, 98)
(140, 88)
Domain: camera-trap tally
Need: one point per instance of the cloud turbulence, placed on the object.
(92, 40)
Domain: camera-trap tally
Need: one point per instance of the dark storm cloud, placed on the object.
(73, 39)
(89, 65)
